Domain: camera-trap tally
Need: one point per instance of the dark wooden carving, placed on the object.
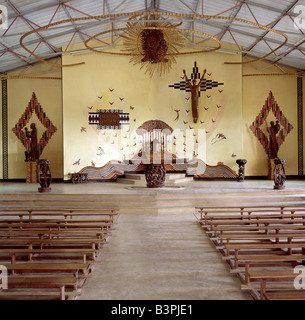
(32, 154)
(241, 170)
(195, 89)
(155, 176)
(79, 177)
(152, 125)
(44, 175)
(195, 85)
(110, 119)
(154, 46)
(31, 171)
(273, 144)
(279, 174)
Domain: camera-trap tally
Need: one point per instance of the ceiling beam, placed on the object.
(73, 23)
(233, 15)
(272, 25)
(37, 8)
(215, 24)
(84, 27)
(30, 25)
(267, 7)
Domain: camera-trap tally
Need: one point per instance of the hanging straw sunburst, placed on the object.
(153, 42)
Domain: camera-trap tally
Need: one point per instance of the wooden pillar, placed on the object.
(31, 172)
(271, 167)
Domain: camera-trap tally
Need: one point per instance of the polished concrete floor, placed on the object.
(162, 256)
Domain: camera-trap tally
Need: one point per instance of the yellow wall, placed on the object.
(49, 94)
(67, 104)
(255, 92)
(152, 98)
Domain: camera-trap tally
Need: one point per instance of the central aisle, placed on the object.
(160, 257)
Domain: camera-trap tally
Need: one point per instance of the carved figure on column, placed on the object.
(44, 175)
(195, 89)
(279, 174)
(241, 170)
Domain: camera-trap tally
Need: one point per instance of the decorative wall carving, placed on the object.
(108, 118)
(278, 134)
(20, 130)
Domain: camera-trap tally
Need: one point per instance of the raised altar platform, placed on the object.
(140, 200)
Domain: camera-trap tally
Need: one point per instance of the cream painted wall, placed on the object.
(67, 104)
(255, 92)
(151, 98)
(49, 94)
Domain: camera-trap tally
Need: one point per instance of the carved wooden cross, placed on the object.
(204, 86)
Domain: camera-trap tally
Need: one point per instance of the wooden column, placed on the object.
(271, 167)
(31, 172)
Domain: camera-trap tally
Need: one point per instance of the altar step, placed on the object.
(139, 179)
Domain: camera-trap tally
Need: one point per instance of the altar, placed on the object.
(154, 155)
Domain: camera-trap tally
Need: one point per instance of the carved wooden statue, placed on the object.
(273, 145)
(44, 175)
(279, 174)
(195, 89)
(32, 154)
(241, 170)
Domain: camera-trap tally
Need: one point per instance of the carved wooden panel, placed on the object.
(108, 118)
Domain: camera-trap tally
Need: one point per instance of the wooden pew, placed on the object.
(58, 282)
(65, 212)
(243, 264)
(251, 238)
(34, 295)
(13, 252)
(58, 225)
(35, 267)
(93, 243)
(254, 222)
(270, 275)
(244, 208)
(243, 238)
(246, 212)
(51, 235)
(236, 247)
(246, 228)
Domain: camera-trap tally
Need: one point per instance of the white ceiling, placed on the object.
(28, 15)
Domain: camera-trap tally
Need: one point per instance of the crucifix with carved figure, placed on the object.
(195, 85)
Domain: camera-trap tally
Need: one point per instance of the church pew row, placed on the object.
(61, 283)
(13, 254)
(67, 213)
(51, 257)
(253, 244)
(285, 291)
(247, 212)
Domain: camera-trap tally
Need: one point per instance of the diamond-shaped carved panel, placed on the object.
(34, 107)
(285, 127)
